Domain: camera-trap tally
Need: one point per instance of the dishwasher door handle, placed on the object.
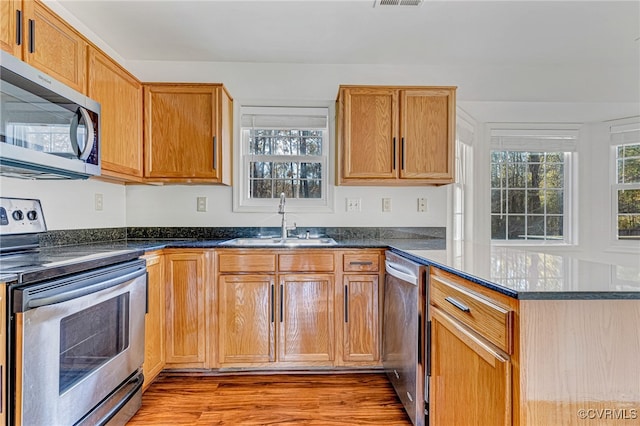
(396, 270)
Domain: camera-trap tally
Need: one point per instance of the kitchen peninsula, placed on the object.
(552, 339)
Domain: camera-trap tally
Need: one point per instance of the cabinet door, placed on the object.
(246, 318)
(53, 46)
(186, 323)
(11, 35)
(466, 368)
(180, 132)
(427, 127)
(369, 133)
(154, 320)
(120, 97)
(306, 318)
(360, 318)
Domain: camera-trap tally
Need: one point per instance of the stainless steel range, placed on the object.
(75, 326)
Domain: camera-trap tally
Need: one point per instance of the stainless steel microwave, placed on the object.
(47, 129)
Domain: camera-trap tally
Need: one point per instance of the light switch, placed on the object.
(98, 202)
(386, 205)
(201, 204)
(422, 205)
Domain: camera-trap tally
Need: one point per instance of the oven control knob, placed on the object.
(32, 215)
(17, 215)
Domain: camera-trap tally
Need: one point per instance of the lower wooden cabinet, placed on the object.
(187, 328)
(264, 309)
(359, 303)
(154, 320)
(360, 322)
(472, 334)
(468, 371)
(246, 318)
(271, 320)
(306, 320)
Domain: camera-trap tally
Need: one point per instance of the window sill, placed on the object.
(626, 249)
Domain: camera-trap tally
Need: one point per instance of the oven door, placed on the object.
(77, 340)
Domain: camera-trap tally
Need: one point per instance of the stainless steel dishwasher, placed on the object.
(403, 348)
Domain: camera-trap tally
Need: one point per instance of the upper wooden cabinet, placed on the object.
(11, 37)
(33, 33)
(187, 134)
(120, 97)
(392, 135)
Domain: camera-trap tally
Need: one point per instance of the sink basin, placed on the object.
(279, 242)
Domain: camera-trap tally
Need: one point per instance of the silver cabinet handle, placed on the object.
(458, 304)
(356, 262)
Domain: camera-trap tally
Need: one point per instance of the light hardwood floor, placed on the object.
(291, 399)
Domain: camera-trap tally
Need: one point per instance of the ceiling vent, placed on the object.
(397, 3)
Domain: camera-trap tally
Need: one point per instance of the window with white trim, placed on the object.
(626, 185)
(284, 150)
(530, 184)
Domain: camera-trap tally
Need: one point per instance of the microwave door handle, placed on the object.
(75, 122)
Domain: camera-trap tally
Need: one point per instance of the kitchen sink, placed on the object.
(279, 242)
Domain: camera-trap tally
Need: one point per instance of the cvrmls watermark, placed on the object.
(608, 414)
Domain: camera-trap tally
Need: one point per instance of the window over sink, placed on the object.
(283, 150)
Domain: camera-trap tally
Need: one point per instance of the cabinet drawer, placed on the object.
(491, 321)
(360, 262)
(259, 262)
(306, 262)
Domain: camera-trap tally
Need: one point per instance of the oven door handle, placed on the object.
(83, 291)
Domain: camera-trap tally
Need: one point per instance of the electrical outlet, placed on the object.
(353, 205)
(422, 205)
(201, 204)
(386, 205)
(98, 202)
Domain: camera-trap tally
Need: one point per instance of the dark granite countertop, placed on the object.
(529, 274)
(518, 273)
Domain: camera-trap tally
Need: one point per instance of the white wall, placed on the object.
(70, 204)
(175, 205)
(493, 93)
(592, 191)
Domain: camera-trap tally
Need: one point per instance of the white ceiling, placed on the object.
(600, 37)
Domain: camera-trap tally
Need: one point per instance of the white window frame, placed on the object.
(462, 188)
(570, 189)
(629, 245)
(241, 200)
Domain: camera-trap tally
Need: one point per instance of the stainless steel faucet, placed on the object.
(284, 229)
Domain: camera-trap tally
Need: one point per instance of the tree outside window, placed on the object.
(628, 191)
(527, 195)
